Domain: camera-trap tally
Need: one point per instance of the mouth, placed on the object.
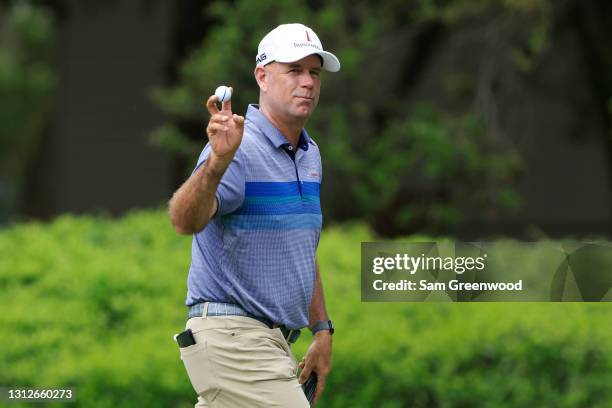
(304, 97)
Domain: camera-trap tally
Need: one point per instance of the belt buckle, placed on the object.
(292, 335)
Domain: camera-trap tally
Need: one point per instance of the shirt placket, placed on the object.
(295, 156)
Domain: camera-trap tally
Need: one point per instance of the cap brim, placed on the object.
(330, 62)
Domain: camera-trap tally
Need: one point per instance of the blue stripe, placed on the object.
(280, 199)
(288, 188)
(311, 188)
(273, 222)
(273, 199)
(277, 199)
(299, 207)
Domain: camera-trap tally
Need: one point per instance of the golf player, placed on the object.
(252, 204)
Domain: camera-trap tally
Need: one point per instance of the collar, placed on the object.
(271, 132)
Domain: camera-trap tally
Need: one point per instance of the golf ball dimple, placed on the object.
(223, 93)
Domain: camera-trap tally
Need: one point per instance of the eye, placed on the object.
(315, 73)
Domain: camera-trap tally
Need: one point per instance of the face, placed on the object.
(291, 90)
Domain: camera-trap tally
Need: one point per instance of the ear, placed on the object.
(261, 78)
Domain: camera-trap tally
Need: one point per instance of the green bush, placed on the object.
(93, 303)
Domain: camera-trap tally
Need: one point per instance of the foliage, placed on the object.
(93, 303)
(27, 81)
(401, 157)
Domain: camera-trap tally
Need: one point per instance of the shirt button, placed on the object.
(290, 148)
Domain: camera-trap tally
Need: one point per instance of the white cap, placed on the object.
(292, 42)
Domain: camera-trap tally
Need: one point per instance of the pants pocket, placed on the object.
(262, 355)
(195, 359)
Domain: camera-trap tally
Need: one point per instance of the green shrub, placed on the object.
(93, 303)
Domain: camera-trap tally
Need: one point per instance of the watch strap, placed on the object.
(323, 325)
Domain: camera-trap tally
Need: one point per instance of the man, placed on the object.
(252, 205)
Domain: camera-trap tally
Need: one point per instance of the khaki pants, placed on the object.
(238, 362)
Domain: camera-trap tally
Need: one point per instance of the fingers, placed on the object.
(214, 128)
(219, 118)
(216, 123)
(211, 105)
(227, 106)
(239, 121)
(320, 387)
(304, 374)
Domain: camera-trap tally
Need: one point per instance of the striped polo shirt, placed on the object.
(258, 251)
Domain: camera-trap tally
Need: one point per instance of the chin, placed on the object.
(303, 110)
(303, 114)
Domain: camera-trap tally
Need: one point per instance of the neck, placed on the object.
(290, 129)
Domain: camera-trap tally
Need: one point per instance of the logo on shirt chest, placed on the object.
(312, 173)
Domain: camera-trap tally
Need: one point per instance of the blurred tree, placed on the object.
(410, 128)
(592, 22)
(27, 81)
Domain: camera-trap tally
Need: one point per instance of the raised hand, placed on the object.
(224, 129)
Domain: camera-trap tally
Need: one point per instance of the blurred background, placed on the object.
(458, 118)
(448, 116)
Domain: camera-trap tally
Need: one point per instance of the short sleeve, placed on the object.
(230, 193)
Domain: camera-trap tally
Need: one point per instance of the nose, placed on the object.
(306, 80)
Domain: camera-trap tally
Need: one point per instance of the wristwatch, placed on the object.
(323, 325)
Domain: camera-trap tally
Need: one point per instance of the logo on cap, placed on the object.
(306, 44)
(261, 58)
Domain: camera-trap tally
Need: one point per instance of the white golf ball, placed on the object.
(223, 93)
